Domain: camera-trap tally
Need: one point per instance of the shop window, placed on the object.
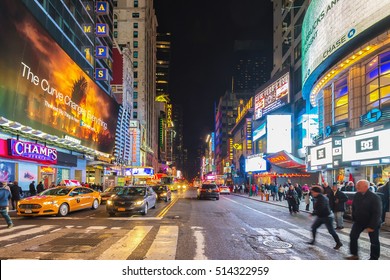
(385, 92)
(373, 64)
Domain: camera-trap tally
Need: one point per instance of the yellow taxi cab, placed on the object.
(59, 201)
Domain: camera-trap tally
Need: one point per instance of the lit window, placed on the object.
(135, 95)
(341, 100)
(135, 54)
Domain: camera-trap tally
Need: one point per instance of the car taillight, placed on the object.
(202, 190)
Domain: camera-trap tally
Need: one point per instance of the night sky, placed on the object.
(203, 34)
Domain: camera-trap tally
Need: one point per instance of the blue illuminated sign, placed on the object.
(101, 29)
(101, 52)
(101, 74)
(102, 7)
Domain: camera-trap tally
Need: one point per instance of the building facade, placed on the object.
(345, 74)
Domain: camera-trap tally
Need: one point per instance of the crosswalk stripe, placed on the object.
(365, 236)
(96, 227)
(164, 246)
(27, 232)
(126, 245)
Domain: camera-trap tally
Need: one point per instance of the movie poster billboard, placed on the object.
(7, 171)
(27, 174)
(43, 88)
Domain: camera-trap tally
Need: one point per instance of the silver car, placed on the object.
(138, 199)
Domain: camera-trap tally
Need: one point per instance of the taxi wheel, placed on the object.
(63, 210)
(95, 204)
(145, 211)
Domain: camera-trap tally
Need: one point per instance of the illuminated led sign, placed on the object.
(331, 25)
(169, 115)
(101, 52)
(273, 96)
(255, 163)
(102, 8)
(241, 112)
(101, 29)
(248, 135)
(32, 151)
(43, 88)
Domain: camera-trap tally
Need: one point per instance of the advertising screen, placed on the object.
(273, 97)
(366, 146)
(328, 26)
(321, 155)
(278, 133)
(255, 164)
(43, 88)
(259, 132)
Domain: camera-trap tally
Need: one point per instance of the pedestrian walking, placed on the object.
(326, 189)
(5, 196)
(306, 196)
(366, 215)
(16, 193)
(384, 190)
(281, 193)
(337, 200)
(292, 200)
(323, 216)
(40, 187)
(32, 189)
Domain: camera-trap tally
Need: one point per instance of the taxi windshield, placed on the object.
(56, 191)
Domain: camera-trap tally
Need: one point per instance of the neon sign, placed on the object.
(32, 151)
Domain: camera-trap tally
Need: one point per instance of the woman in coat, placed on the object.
(292, 199)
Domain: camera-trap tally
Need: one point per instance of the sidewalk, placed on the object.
(302, 206)
(283, 203)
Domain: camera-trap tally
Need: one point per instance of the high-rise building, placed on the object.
(135, 25)
(60, 89)
(251, 65)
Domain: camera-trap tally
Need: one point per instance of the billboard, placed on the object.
(273, 96)
(279, 133)
(43, 88)
(328, 26)
(321, 155)
(366, 146)
(255, 164)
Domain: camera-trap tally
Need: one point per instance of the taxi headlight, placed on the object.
(49, 202)
(140, 202)
(163, 194)
(109, 202)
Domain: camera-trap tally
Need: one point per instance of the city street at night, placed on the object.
(231, 228)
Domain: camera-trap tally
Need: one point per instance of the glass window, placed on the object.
(135, 44)
(385, 80)
(373, 96)
(135, 95)
(373, 64)
(115, 34)
(373, 74)
(135, 84)
(135, 115)
(135, 105)
(135, 64)
(135, 74)
(135, 15)
(385, 92)
(385, 68)
(135, 34)
(135, 25)
(135, 3)
(372, 86)
(384, 57)
(135, 54)
(341, 101)
(372, 105)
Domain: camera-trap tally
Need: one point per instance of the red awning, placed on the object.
(286, 160)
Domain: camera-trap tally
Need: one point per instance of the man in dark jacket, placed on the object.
(366, 215)
(337, 200)
(385, 193)
(32, 189)
(16, 191)
(323, 216)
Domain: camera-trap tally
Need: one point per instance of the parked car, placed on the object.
(109, 192)
(59, 201)
(163, 192)
(208, 191)
(224, 189)
(136, 199)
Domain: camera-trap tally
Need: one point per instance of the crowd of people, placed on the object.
(328, 205)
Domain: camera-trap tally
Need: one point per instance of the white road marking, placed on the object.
(96, 227)
(164, 245)
(123, 248)
(27, 232)
(200, 243)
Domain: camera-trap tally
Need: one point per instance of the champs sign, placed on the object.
(32, 151)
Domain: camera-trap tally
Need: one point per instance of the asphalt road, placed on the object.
(232, 228)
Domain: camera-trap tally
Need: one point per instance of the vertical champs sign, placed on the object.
(101, 52)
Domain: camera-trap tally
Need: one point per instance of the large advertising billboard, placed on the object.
(43, 88)
(279, 133)
(329, 25)
(273, 96)
(255, 163)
